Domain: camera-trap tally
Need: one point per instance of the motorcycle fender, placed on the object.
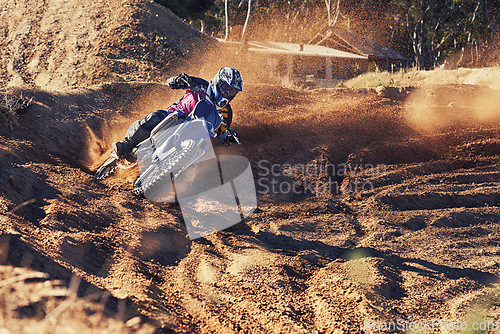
(165, 149)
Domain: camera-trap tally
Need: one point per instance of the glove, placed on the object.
(227, 139)
(236, 137)
(181, 81)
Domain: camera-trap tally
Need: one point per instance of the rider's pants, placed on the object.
(141, 129)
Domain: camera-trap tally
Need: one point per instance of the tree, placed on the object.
(332, 20)
(226, 15)
(429, 31)
(440, 28)
(243, 34)
(188, 9)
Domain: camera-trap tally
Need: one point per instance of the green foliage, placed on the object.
(438, 29)
(188, 9)
(372, 67)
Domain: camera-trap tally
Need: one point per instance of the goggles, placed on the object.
(227, 90)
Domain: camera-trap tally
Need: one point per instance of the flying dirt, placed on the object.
(377, 210)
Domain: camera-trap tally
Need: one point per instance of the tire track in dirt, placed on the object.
(302, 262)
(437, 199)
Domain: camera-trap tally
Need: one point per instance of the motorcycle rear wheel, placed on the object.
(165, 170)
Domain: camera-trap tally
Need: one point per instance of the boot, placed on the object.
(124, 148)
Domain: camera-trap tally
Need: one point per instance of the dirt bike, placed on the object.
(174, 144)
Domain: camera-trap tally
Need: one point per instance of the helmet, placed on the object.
(224, 86)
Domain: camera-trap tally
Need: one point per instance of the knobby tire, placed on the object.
(182, 157)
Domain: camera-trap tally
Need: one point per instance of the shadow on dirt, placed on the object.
(27, 191)
(430, 269)
(291, 247)
(16, 252)
(90, 256)
(320, 254)
(165, 245)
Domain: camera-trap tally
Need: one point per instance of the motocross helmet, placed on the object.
(224, 86)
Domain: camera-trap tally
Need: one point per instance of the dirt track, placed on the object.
(375, 206)
(415, 236)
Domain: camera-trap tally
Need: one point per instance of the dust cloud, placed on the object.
(447, 107)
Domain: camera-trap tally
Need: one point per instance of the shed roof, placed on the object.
(300, 50)
(353, 42)
(307, 50)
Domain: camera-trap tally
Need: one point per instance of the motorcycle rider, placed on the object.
(215, 94)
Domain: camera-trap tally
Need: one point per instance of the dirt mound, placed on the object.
(61, 44)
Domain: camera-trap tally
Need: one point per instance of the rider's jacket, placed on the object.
(195, 97)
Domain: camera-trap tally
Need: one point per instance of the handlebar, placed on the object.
(236, 139)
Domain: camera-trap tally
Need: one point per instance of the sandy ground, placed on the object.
(58, 44)
(378, 211)
(364, 213)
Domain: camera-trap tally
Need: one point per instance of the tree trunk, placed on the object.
(203, 24)
(337, 12)
(226, 12)
(244, 33)
(420, 48)
(328, 4)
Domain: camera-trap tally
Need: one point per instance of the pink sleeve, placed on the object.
(186, 104)
(191, 101)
